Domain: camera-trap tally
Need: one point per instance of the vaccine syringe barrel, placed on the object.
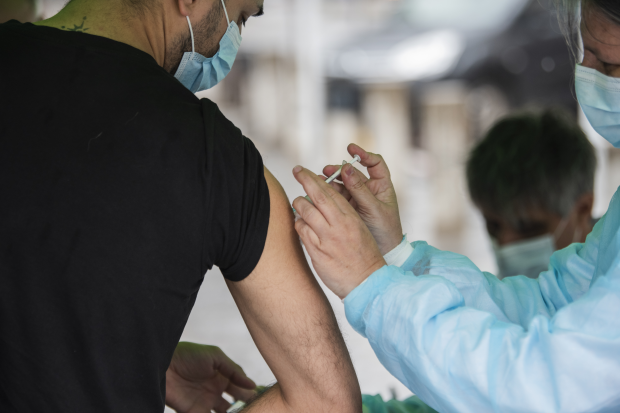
(333, 176)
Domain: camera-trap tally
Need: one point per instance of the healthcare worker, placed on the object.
(459, 338)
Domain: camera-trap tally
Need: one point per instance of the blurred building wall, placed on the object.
(385, 113)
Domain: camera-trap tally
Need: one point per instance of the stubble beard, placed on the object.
(206, 39)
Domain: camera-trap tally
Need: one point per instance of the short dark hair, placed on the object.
(140, 7)
(569, 15)
(531, 160)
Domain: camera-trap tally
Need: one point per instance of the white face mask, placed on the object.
(599, 97)
(529, 257)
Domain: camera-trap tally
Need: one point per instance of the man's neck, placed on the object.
(115, 20)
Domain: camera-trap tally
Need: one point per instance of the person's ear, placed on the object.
(186, 6)
(583, 211)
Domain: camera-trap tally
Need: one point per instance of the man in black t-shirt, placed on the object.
(119, 190)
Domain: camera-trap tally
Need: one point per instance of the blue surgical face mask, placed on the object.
(599, 97)
(197, 72)
(529, 257)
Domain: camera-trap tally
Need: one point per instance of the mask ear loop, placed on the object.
(226, 13)
(191, 32)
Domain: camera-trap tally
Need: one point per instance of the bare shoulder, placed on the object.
(281, 211)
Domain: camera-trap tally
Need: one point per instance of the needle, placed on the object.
(335, 175)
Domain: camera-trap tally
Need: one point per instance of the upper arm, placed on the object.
(291, 320)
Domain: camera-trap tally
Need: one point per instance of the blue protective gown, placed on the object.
(464, 341)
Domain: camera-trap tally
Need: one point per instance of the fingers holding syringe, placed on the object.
(307, 233)
(338, 187)
(377, 168)
(342, 190)
(329, 170)
(326, 200)
(310, 217)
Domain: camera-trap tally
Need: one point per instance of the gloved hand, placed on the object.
(341, 247)
(198, 376)
(374, 199)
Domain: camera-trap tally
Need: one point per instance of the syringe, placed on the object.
(239, 404)
(335, 175)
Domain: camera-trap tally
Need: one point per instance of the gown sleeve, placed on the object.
(464, 341)
(461, 359)
(514, 299)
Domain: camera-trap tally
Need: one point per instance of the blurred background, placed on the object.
(418, 81)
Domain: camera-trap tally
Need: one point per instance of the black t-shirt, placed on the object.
(119, 189)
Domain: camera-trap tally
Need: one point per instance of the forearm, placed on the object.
(307, 354)
(269, 401)
(273, 400)
(325, 377)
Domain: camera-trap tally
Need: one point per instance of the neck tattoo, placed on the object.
(77, 28)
